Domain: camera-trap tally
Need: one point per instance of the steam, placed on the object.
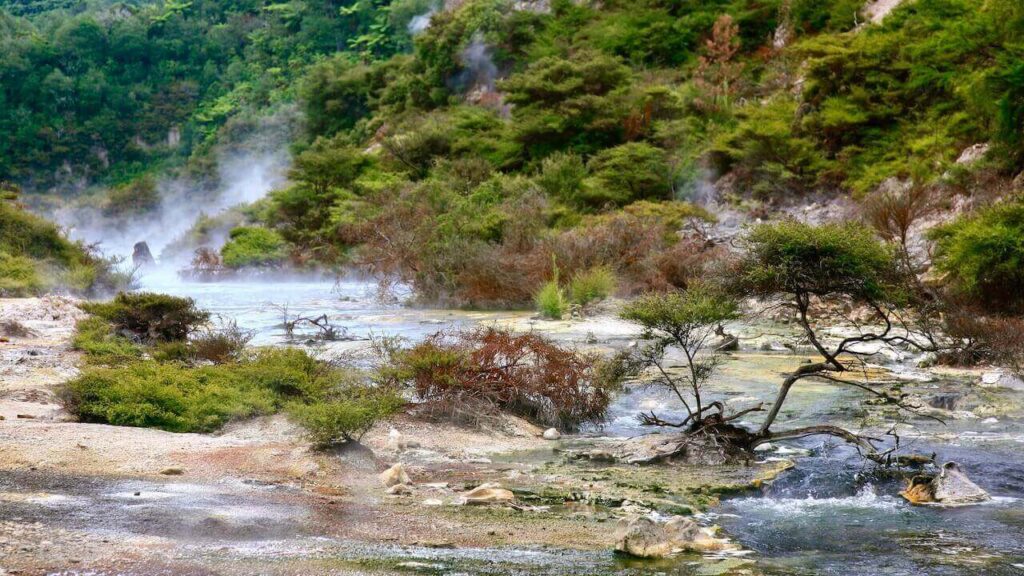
(245, 173)
(479, 70)
(421, 22)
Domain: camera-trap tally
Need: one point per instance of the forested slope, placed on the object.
(477, 149)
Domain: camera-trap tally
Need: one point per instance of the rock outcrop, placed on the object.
(950, 487)
(141, 256)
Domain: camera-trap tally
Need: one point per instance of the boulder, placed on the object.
(400, 490)
(141, 256)
(395, 475)
(951, 487)
(552, 434)
(645, 537)
(489, 493)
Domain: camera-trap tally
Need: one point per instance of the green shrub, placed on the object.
(592, 285)
(627, 173)
(149, 316)
(97, 339)
(983, 253)
(251, 246)
(551, 301)
(347, 416)
(177, 397)
(171, 397)
(19, 276)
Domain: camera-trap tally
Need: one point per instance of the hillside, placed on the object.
(474, 149)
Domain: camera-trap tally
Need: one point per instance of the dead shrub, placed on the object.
(981, 339)
(645, 253)
(15, 329)
(222, 345)
(486, 370)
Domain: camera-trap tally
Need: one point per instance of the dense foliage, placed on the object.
(984, 254)
(458, 148)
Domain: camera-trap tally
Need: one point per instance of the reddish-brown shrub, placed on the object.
(522, 374)
(985, 339)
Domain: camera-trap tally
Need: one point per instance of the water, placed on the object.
(831, 514)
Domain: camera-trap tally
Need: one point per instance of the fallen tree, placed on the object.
(809, 270)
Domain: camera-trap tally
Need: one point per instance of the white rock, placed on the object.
(433, 502)
(766, 447)
(552, 434)
(488, 493)
(400, 490)
(395, 475)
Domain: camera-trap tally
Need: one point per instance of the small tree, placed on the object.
(801, 265)
(685, 320)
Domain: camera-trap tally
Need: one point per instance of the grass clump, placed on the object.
(252, 246)
(551, 301)
(19, 275)
(592, 285)
(149, 316)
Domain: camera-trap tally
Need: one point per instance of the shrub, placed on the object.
(221, 345)
(561, 176)
(627, 173)
(347, 416)
(592, 285)
(19, 276)
(550, 301)
(251, 246)
(526, 375)
(15, 329)
(166, 396)
(684, 320)
(983, 254)
(152, 317)
(101, 344)
(177, 397)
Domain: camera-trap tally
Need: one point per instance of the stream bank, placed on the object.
(254, 499)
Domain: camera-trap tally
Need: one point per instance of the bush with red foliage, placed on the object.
(522, 374)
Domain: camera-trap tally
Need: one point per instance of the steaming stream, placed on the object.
(826, 516)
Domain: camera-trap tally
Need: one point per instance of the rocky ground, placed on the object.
(89, 498)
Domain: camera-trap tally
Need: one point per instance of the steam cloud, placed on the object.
(480, 70)
(245, 174)
(421, 22)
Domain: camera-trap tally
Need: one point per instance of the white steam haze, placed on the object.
(245, 173)
(480, 71)
(421, 22)
(244, 179)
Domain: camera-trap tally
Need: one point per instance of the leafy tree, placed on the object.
(834, 263)
(685, 320)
